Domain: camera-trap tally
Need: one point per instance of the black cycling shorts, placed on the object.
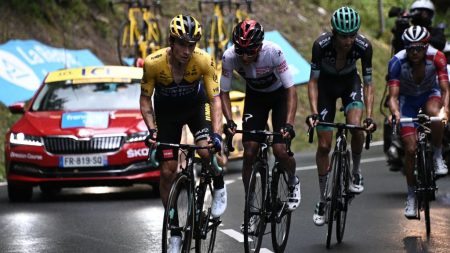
(171, 119)
(332, 87)
(256, 113)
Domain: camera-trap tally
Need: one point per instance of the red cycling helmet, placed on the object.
(248, 34)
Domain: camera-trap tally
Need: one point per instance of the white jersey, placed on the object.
(268, 73)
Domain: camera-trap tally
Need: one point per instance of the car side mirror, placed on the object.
(17, 108)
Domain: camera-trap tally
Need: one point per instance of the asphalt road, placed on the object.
(112, 220)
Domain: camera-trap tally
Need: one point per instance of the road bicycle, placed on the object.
(215, 32)
(337, 193)
(266, 198)
(188, 209)
(140, 34)
(423, 169)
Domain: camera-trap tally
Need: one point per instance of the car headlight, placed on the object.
(24, 139)
(139, 136)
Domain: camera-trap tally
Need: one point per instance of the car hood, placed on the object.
(81, 124)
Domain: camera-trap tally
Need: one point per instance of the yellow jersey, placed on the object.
(157, 77)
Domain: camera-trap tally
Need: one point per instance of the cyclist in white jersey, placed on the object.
(269, 86)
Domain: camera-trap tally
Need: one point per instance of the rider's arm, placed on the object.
(313, 91)
(210, 80)
(441, 68)
(225, 84)
(394, 72)
(145, 100)
(282, 68)
(291, 105)
(366, 64)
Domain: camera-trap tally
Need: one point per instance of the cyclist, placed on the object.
(421, 13)
(418, 78)
(269, 86)
(334, 75)
(172, 75)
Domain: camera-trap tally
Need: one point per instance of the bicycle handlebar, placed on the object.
(342, 126)
(266, 133)
(189, 147)
(421, 119)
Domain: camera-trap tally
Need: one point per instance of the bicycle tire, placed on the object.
(424, 185)
(255, 205)
(331, 194)
(280, 225)
(205, 244)
(341, 217)
(176, 218)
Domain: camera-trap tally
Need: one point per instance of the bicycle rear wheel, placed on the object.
(281, 221)
(331, 195)
(207, 226)
(255, 210)
(127, 50)
(344, 196)
(178, 214)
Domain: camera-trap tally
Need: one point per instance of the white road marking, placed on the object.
(367, 160)
(234, 234)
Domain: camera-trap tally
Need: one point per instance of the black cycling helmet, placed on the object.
(345, 21)
(416, 35)
(186, 28)
(248, 34)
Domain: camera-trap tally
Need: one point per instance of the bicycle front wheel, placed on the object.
(332, 195)
(178, 214)
(424, 184)
(344, 196)
(254, 212)
(207, 226)
(281, 221)
(127, 48)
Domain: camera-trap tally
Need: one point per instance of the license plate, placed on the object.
(83, 161)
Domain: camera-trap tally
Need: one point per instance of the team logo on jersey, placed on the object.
(247, 116)
(323, 114)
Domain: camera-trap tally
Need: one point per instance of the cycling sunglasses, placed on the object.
(415, 48)
(248, 51)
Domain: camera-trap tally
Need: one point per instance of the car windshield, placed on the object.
(60, 96)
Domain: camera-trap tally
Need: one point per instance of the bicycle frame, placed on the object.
(337, 193)
(143, 39)
(272, 208)
(425, 178)
(199, 221)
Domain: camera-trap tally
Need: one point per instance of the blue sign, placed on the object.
(25, 63)
(85, 119)
(298, 66)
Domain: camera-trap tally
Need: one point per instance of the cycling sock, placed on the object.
(218, 182)
(356, 161)
(293, 181)
(322, 185)
(411, 191)
(437, 153)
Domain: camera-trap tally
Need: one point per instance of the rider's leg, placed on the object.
(250, 152)
(433, 108)
(409, 143)
(322, 159)
(168, 172)
(354, 115)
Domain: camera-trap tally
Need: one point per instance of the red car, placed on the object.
(83, 127)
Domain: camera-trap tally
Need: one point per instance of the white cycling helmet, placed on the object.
(415, 34)
(423, 4)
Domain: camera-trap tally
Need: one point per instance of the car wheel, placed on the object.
(19, 192)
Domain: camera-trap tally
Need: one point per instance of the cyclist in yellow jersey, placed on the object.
(172, 75)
